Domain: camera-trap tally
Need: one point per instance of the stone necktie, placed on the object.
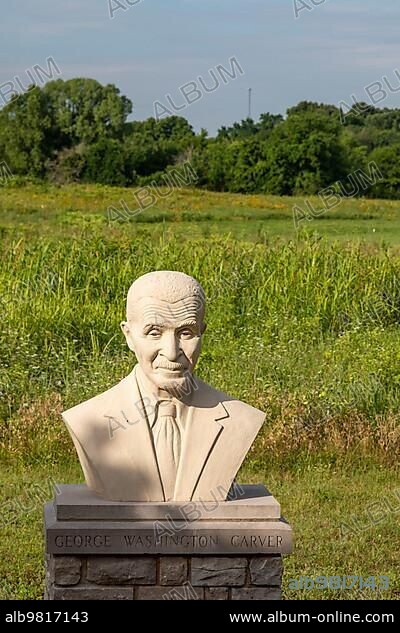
(167, 441)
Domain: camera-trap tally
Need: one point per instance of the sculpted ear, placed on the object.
(127, 333)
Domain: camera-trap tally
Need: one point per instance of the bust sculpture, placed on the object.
(162, 434)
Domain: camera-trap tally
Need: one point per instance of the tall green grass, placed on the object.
(306, 330)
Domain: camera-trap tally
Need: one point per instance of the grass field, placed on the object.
(76, 210)
(300, 324)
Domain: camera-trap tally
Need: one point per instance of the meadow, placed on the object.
(302, 324)
(79, 210)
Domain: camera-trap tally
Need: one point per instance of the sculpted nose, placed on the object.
(171, 348)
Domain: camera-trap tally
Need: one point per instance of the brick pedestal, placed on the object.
(99, 550)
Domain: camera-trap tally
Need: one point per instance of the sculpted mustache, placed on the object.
(169, 366)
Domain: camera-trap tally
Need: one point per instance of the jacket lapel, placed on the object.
(203, 427)
(131, 442)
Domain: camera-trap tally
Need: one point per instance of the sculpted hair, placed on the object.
(166, 285)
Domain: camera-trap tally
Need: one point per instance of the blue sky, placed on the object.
(150, 50)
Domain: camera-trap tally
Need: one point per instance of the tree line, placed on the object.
(78, 131)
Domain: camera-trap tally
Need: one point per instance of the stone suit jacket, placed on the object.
(115, 447)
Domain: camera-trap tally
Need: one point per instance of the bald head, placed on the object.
(165, 323)
(166, 285)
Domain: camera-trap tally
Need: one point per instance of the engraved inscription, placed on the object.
(77, 540)
(145, 542)
(195, 541)
(272, 540)
(184, 541)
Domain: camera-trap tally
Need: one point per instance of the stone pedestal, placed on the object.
(108, 550)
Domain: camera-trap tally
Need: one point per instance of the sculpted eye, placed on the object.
(187, 333)
(153, 333)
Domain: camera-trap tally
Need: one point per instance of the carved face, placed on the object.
(166, 339)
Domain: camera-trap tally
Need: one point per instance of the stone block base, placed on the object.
(163, 577)
(103, 550)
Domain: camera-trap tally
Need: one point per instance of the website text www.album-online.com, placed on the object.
(296, 618)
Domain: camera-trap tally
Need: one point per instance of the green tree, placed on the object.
(246, 167)
(248, 128)
(305, 153)
(387, 160)
(244, 129)
(84, 111)
(151, 146)
(27, 133)
(210, 163)
(105, 163)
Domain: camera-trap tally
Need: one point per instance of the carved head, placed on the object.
(165, 322)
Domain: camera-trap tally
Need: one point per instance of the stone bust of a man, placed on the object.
(162, 434)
